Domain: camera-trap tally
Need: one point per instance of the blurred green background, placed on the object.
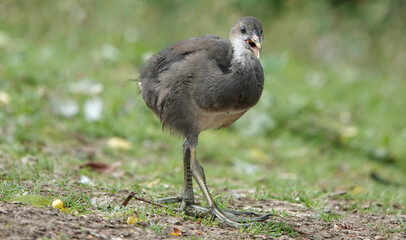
(332, 116)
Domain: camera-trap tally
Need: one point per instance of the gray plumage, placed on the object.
(202, 83)
(197, 77)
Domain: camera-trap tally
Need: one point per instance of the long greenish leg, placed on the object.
(231, 218)
(187, 190)
(186, 196)
(193, 169)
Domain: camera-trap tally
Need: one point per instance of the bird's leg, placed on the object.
(186, 195)
(228, 217)
(193, 169)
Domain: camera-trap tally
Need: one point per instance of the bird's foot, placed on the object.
(230, 217)
(183, 203)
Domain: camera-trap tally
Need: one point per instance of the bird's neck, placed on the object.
(242, 57)
(239, 88)
(246, 78)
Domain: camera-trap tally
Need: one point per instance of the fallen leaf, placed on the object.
(100, 167)
(198, 232)
(36, 201)
(176, 232)
(152, 183)
(119, 143)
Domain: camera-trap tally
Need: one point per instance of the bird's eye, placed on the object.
(243, 30)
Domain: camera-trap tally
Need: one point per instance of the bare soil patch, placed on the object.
(18, 221)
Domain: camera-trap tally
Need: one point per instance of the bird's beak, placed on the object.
(255, 43)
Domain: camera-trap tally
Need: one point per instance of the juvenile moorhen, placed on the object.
(201, 83)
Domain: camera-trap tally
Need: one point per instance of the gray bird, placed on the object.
(201, 83)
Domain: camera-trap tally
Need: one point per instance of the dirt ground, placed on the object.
(19, 221)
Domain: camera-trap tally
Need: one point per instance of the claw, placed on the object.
(235, 221)
(230, 217)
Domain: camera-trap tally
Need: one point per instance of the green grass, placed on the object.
(330, 119)
(271, 229)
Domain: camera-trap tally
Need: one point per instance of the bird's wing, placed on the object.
(158, 87)
(217, 49)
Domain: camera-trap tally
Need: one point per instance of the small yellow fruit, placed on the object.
(119, 143)
(58, 204)
(132, 220)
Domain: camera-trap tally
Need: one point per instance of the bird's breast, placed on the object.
(216, 119)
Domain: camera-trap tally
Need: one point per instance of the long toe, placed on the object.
(237, 216)
(230, 217)
(169, 200)
(197, 211)
(241, 213)
(234, 216)
(184, 205)
(237, 220)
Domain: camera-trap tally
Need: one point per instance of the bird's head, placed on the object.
(246, 34)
